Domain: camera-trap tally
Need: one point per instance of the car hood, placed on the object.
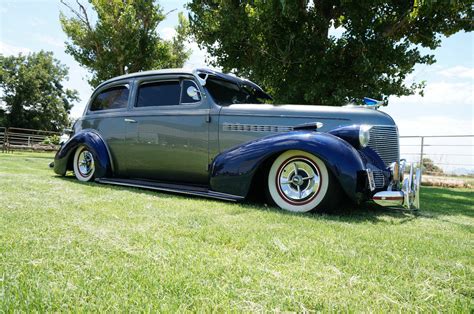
(345, 115)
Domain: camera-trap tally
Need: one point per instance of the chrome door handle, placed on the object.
(130, 120)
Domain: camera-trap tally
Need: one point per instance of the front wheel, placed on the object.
(84, 164)
(300, 182)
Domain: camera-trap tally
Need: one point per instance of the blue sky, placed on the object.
(447, 108)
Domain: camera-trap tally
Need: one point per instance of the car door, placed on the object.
(104, 114)
(170, 139)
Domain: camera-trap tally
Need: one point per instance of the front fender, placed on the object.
(93, 140)
(232, 171)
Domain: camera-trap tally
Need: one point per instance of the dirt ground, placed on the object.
(446, 181)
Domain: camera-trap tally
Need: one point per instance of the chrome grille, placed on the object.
(379, 179)
(384, 140)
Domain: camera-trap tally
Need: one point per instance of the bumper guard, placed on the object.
(409, 194)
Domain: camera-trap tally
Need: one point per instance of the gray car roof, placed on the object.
(259, 91)
(147, 73)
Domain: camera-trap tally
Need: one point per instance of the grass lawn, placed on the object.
(68, 246)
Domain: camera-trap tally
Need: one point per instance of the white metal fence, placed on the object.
(450, 154)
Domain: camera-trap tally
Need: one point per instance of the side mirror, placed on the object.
(193, 92)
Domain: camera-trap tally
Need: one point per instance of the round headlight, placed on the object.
(364, 135)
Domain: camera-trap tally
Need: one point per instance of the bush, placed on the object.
(53, 139)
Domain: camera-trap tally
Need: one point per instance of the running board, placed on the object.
(168, 187)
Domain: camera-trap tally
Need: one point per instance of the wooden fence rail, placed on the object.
(26, 139)
(3, 135)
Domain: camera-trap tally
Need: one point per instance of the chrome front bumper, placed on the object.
(406, 194)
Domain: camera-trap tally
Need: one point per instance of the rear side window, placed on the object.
(187, 97)
(165, 93)
(112, 98)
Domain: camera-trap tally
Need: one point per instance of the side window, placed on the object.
(190, 92)
(112, 98)
(164, 93)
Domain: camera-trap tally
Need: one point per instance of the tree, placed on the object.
(430, 167)
(32, 91)
(3, 120)
(287, 46)
(123, 38)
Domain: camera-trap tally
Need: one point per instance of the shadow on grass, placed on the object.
(435, 202)
(444, 201)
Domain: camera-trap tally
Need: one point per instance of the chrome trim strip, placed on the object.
(209, 193)
(241, 114)
(238, 127)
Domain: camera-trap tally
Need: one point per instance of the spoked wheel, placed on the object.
(84, 164)
(299, 181)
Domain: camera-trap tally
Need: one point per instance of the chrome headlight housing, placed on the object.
(364, 135)
(356, 135)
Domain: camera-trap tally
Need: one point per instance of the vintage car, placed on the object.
(211, 134)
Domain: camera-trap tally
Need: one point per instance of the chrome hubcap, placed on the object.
(85, 163)
(299, 180)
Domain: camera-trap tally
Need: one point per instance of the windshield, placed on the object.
(226, 93)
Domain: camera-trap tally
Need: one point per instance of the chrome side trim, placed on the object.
(156, 186)
(269, 115)
(237, 127)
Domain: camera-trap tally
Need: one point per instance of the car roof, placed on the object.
(148, 73)
(188, 71)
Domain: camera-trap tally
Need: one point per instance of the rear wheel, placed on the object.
(300, 182)
(84, 164)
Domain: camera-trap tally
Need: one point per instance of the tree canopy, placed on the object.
(288, 46)
(430, 167)
(120, 36)
(32, 92)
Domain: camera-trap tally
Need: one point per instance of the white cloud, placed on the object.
(198, 56)
(167, 33)
(458, 72)
(434, 125)
(446, 108)
(9, 50)
(50, 40)
(78, 80)
(441, 94)
(446, 93)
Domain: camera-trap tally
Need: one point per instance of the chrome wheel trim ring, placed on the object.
(85, 163)
(298, 180)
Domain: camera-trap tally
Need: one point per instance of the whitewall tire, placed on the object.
(298, 181)
(84, 164)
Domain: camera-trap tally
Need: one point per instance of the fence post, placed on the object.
(421, 152)
(7, 140)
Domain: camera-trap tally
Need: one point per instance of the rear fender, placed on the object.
(98, 147)
(232, 171)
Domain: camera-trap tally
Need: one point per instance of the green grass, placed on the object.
(70, 246)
